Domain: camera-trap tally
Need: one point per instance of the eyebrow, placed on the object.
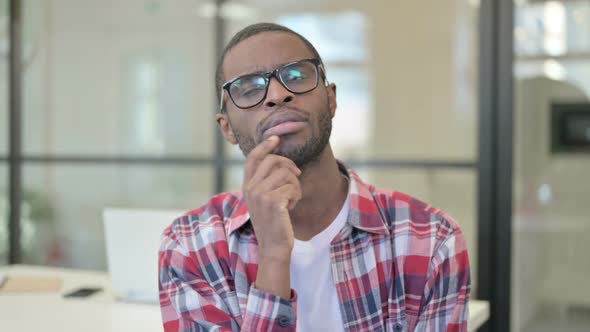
(260, 70)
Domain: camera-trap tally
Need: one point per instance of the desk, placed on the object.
(479, 313)
(99, 312)
(51, 312)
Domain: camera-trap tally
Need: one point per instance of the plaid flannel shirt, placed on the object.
(398, 265)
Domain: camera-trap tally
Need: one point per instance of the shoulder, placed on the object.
(403, 214)
(422, 236)
(205, 225)
(407, 214)
(417, 229)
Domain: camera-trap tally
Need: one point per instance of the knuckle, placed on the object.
(254, 194)
(274, 159)
(265, 199)
(247, 187)
(288, 162)
(283, 172)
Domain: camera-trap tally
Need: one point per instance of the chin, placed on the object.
(288, 151)
(292, 143)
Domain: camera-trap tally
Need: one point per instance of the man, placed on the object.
(306, 244)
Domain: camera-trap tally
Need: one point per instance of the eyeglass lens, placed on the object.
(249, 90)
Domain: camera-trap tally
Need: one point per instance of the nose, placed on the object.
(277, 95)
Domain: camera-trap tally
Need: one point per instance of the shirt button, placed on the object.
(284, 321)
(398, 327)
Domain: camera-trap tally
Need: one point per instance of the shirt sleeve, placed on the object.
(445, 303)
(189, 303)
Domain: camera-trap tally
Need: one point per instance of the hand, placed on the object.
(271, 188)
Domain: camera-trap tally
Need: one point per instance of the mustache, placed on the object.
(264, 124)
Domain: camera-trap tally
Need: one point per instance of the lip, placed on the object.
(283, 124)
(284, 128)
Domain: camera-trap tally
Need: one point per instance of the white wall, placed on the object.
(422, 101)
(548, 262)
(80, 98)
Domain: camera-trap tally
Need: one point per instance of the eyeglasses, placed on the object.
(250, 90)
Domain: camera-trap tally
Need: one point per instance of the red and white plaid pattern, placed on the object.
(398, 265)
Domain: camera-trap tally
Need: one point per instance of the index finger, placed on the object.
(258, 154)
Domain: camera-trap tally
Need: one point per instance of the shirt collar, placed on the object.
(364, 212)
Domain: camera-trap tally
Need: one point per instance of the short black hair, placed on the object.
(250, 31)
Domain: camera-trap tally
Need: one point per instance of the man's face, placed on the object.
(302, 141)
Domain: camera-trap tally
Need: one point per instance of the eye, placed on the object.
(295, 75)
(248, 86)
(251, 91)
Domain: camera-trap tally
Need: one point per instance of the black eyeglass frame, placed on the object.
(319, 68)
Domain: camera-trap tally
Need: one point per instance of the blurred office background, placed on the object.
(118, 103)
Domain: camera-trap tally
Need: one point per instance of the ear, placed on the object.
(331, 89)
(225, 127)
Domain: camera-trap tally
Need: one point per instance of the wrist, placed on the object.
(273, 275)
(275, 254)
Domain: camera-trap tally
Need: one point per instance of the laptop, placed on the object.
(132, 239)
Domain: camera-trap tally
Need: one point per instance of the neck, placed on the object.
(324, 192)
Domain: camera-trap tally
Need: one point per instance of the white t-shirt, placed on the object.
(318, 308)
